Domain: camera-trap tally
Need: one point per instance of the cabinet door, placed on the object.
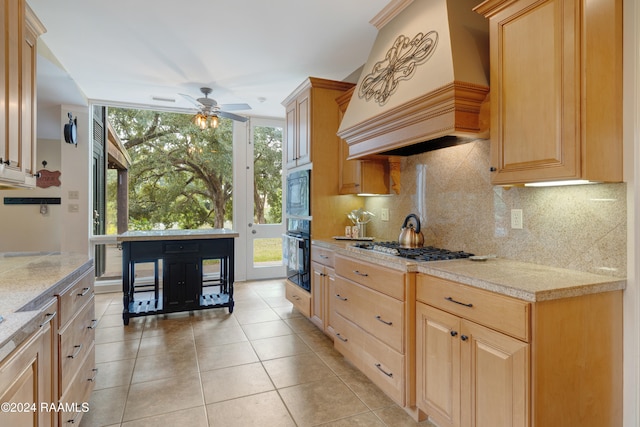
(28, 114)
(25, 381)
(535, 127)
(14, 18)
(290, 151)
(495, 378)
(317, 294)
(182, 284)
(304, 128)
(329, 283)
(438, 364)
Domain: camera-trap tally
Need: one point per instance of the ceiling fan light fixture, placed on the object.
(214, 121)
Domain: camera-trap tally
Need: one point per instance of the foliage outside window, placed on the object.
(182, 176)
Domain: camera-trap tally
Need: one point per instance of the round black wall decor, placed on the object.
(71, 130)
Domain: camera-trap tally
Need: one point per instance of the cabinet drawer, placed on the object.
(385, 280)
(76, 339)
(75, 296)
(380, 363)
(79, 391)
(376, 313)
(300, 298)
(499, 312)
(322, 256)
(181, 248)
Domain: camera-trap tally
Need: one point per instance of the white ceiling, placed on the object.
(249, 51)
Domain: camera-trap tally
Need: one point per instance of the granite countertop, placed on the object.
(209, 233)
(28, 280)
(526, 281)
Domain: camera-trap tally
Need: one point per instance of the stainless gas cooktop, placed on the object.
(425, 253)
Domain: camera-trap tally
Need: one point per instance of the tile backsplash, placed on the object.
(576, 227)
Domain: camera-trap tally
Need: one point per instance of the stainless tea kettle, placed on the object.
(411, 237)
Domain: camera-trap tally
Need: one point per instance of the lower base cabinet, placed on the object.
(76, 337)
(488, 360)
(27, 377)
(469, 375)
(300, 298)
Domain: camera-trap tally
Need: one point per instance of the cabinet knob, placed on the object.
(492, 169)
(464, 337)
(453, 333)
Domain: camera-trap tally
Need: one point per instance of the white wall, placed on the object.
(76, 164)
(23, 227)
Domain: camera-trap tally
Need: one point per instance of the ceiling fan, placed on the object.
(210, 110)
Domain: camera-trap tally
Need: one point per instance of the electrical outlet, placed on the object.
(384, 214)
(516, 219)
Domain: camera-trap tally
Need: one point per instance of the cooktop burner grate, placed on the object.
(425, 253)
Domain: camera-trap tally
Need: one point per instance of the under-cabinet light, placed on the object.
(560, 183)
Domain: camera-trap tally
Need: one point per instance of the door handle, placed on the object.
(253, 231)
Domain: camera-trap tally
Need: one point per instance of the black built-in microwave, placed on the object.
(298, 194)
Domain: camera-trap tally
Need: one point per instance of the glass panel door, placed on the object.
(265, 226)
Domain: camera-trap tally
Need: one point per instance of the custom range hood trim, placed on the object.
(446, 96)
(452, 110)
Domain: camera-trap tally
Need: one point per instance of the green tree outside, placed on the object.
(182, 176)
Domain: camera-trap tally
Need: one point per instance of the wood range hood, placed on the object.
(425, 84)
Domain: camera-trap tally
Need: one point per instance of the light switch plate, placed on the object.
(384, 214)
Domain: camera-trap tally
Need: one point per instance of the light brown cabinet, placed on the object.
(463, 365)
(297, 137)
(19, 34)
(322, 277)
(300, 298)
(556, 83)
(369, 322)
(27, 376)
(312, 121)
(76, 341)
(360, 176)
(484, 359)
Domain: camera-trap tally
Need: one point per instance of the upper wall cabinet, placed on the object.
(360, 176)
(20, 30)
(312, 120)
(556, 83)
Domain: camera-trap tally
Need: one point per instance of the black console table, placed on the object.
(184, 288)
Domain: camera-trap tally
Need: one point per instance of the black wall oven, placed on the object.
(297, 252)
(298, 190)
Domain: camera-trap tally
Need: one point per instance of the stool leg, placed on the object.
(156, 281)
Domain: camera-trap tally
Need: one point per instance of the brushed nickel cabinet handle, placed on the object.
(458, 302)
(341, 298)
(77, 352)
(383, 321)
(48, 318)
(84, 292)
(359, 273)
(341, 338)
(379, 366)
(95, 374)
(93, 324)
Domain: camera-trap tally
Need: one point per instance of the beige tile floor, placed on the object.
(264, 365)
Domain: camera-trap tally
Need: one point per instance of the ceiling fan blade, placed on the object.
(231, 116)
(191, 100)
(235, 107)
